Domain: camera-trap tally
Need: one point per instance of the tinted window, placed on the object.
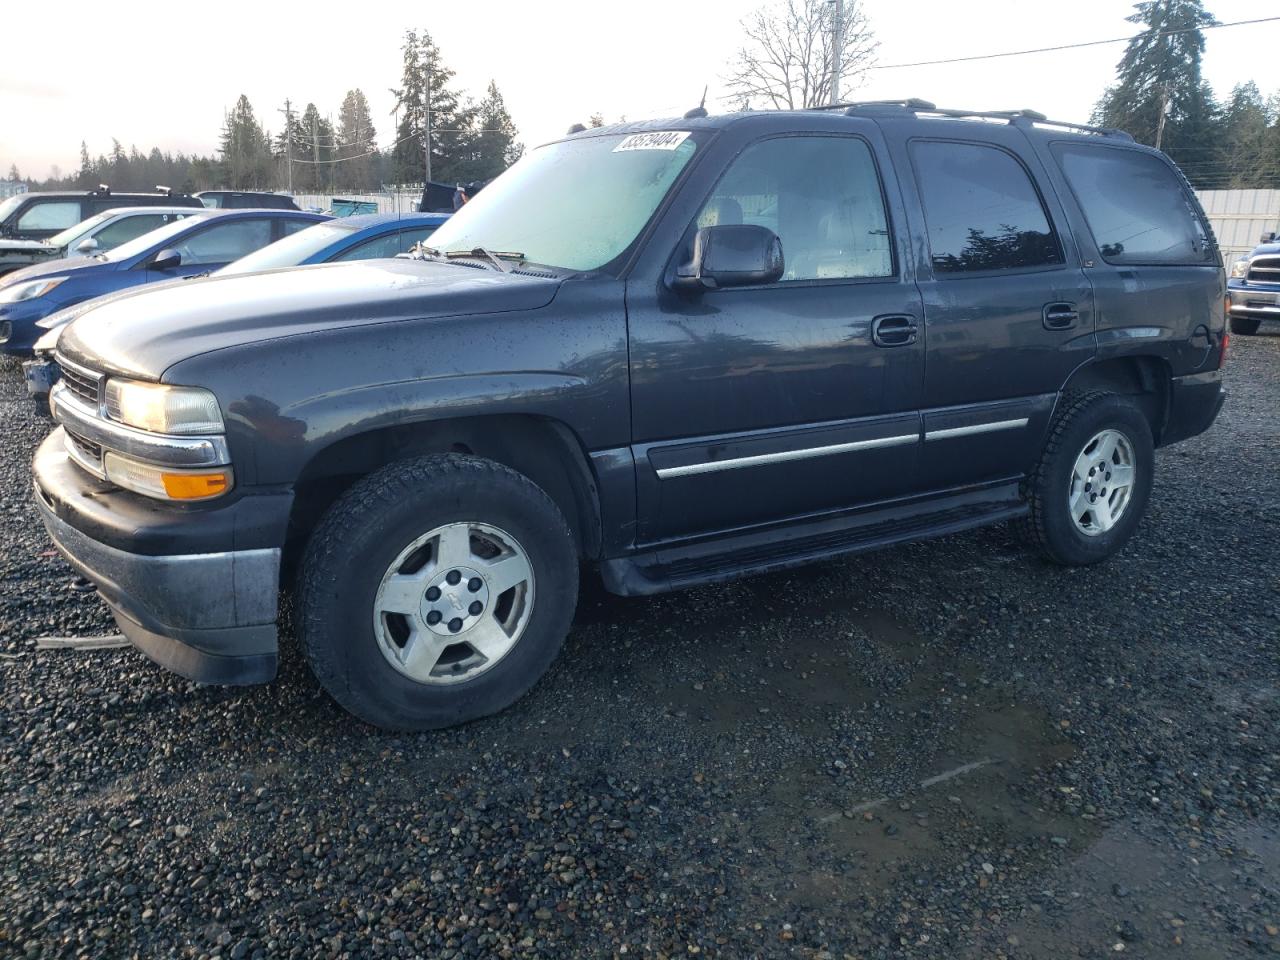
(224, 242)
(410, 238)
(981, 209)
(1137, 209)
(820, 195)
(289, 227)
(56, 215)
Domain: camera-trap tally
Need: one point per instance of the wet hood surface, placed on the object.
(145, 335)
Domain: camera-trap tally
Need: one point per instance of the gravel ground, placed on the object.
(943, 750)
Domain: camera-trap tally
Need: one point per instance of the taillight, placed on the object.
(1226, 344)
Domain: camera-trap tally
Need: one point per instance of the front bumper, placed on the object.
(208, 615)
(1260, 301)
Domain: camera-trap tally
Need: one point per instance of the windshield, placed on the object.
(575, 204)
(148, 240)
(290, 251)
(65, 238)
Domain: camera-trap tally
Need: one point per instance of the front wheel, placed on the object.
(436, 591)
(1090, 489)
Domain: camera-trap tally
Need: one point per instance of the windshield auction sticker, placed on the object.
(657, 140)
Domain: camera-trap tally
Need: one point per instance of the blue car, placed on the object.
(205, 241)
(365, 237)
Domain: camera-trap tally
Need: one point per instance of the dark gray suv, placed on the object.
(677, 352)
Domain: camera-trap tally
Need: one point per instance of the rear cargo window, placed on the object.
(1137, 209)
(982, 211)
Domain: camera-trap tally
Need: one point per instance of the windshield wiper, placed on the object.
(493, 256)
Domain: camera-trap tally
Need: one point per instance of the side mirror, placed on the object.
(166, 259)
(732, 255)
(87, 245)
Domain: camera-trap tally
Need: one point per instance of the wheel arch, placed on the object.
(545, 450)
(1146, 378)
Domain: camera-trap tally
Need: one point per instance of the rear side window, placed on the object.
(224, 242)
(50, 215)
(982, 211)
(1137, 209)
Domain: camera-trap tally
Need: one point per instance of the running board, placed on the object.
(674, 567)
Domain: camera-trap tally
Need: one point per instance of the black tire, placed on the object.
(362, 535)
(1050, 528)
(1245, 326)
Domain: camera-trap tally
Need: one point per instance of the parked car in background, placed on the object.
(38, 216)
(1254, 287)
(205, 241)
(100, 233)
(678, 351)
(349, 239)
(245, 200)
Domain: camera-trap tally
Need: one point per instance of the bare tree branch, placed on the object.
(787, 55)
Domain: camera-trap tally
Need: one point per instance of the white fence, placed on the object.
(1240, 217)
(394, 200)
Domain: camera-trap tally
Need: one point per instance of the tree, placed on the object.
(84, 178)
(357, 143)
(496, 147)
(1159, 96)
(14, 175)
(1244, 157)
(424, 98)
(245, 154)
(787, 59)
(314, 162)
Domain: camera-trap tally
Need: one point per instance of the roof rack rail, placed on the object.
(1014, 117)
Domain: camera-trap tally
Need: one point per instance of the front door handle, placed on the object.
(1060, 316)
(894, 330)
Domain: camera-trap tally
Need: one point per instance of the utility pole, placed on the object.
(1164, 115)
(315, 147)
(426, 97)
(288, 141)
(837, 48)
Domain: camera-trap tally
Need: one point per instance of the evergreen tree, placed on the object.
(245, 155)
(84, 178)
(425, 97)
(314, 171)
(1159, 95)
(1243, 158)
(357, 143)
(14, 175)
(496, 147)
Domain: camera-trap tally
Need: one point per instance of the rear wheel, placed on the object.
(436, 591)
(1090, 489)
(1246, 326)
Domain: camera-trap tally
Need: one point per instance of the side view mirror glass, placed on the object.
(87, 245)
(732, 255)
(166, 259)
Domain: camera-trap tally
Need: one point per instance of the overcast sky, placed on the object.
(162, 75)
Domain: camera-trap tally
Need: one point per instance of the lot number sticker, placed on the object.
(657, 140)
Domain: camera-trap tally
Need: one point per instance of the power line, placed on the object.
(1068, 46)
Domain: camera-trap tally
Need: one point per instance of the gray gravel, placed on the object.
(943, 750)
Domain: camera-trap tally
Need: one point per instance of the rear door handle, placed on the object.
(894, 330)
(1060, 316)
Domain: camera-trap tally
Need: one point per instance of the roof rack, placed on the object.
(914, 105)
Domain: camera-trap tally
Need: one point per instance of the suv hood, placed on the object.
(144, 335)
(27, 246)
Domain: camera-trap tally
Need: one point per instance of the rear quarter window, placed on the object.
(1136, 206)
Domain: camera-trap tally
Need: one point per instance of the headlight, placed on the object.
(1239, 269)
(29, 290)
(165, 483)
(163, 409)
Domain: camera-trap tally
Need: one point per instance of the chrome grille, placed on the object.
(85, 384)
(84, 452)
(1264, 270)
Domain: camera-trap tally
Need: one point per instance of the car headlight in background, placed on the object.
(1239, 269)
(28, 290)
(160, 408)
